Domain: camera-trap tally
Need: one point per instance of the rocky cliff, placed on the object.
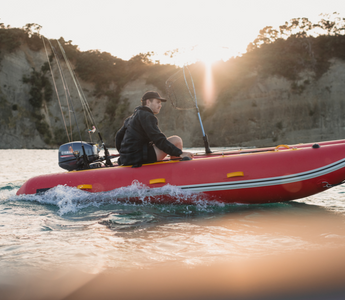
(271, 112)
(268, 112)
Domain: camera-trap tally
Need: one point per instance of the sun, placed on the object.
(208, 54)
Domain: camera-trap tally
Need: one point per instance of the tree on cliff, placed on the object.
(298, 45)
(294, 46)
(331, 25)
(12, 38)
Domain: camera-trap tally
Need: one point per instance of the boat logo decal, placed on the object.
(70, 150)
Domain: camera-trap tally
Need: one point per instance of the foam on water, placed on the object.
(8, 191)
(72, 200)
(67, 227)
(332, 199)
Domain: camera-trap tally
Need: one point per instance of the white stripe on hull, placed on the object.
(271, 181)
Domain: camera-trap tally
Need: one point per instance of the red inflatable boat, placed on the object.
(264, 175)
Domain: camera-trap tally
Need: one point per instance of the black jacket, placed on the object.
(137, 132)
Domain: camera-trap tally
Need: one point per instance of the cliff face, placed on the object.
(267, 113)
(271, 113)
(18, 125)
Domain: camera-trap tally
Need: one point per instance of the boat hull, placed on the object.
(247, 176)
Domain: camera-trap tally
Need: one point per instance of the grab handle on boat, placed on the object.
(285, 146)
(235, 174)
(158, 180)
(85, 187)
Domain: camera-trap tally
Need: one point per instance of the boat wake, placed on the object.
(72, 200)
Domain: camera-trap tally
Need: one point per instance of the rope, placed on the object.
(57, 94)
(81, 94)
(185, 79)
(172, 86)
(65, 86)
(85, 105)
(64, 55)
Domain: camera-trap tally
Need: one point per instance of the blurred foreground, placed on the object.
(318, 274)
(73, 245)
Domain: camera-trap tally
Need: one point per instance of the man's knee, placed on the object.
(176, 140)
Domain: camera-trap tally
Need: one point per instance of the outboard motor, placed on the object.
(71, 155)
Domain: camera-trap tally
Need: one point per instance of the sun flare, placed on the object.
(209, 58)
(208, 87)
(209, 54)
(206, 53)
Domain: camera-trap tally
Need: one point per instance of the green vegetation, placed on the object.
(296, 47)
(158, 74)
(41, 88)
(110, 74)
(59, 136)
(42, 127)
(12, 38)
(105, 70)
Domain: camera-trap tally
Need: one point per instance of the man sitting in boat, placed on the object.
(140, 141)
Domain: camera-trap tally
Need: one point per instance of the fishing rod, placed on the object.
(206, 144)
(86, 108)
(56, 91)
(74, 79)
(181, 91)
(86, 105)
(69, 101)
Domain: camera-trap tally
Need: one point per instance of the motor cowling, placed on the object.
(71, 155)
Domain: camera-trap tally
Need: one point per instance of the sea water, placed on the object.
(70, 228)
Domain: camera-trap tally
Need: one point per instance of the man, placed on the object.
(140, 140)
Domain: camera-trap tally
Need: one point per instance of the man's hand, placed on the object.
(187, 154)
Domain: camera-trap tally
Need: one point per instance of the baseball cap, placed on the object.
(152, 95)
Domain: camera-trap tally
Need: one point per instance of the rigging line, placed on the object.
(75, 118)
(75, 81)
(196, 101)
(107, 155)
(85, 105)
(70, 70)
(185, 79)
(85, 110)
(83, 98)
(196, 107)
(63, 75)
(85, 102)
(86, 119)
(171, 89)
(64, 83)
(57, 94)
(87, 123)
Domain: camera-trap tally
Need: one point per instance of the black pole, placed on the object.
(106, 152)
(85, 159)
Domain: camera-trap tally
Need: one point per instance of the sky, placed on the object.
(201, 30)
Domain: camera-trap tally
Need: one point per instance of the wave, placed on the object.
(71, 200)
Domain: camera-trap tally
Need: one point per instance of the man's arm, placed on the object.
(149, 124)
